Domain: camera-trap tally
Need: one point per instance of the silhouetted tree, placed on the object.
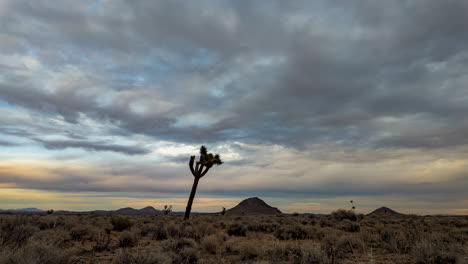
(167, 209)
(223, 212)
(202, 166)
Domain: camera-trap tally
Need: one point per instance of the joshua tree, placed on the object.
(223, 212)
(203, 165)
(167, 209)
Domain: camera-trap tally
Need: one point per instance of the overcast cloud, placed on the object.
(304, 99)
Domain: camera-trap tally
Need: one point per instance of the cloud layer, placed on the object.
(330, 98)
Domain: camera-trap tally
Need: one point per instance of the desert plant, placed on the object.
(159, 232)
(127, 239)
(433, 252)
(223, 212)
(348, 226)
(128, 256)
(102, 240)
(167, 209)
(291, 232)
(237, 230)
(203, 165)
(120, 223)
(342, 214)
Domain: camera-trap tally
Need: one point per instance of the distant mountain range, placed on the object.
(248, 206)
(24, 210)
(149, 210)
(253, 205)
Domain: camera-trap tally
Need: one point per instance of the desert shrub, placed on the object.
(126, 256)
(184, 250)
(159, 232)
(263, 227)
(283, 251)
(79, 232)
(291, 232)
(342, 214)
(177, 244)
(120, 223)
(188, 231)
(128, 239)
(348, 226)
(314, 255)
(101, 240)
(172, 230)
(334, 247)
(15, 232)
(249, 251)
(230, 247)
(432, 252)
(145, 229)
(237, 230)
(324, 222)
(204, 229)
(16, 236)
(211, 243)
(187, 255)
(53, 237)
(41, 253)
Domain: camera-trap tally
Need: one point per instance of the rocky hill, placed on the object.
(385, 211)
(253, 205)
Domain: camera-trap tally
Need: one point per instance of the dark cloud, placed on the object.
(8, 144)
(322, 74)
(93, 146)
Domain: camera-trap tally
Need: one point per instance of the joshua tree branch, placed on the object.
(206, 171)
(201, 169)
(194, 173)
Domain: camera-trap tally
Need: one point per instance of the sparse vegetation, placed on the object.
(340, 237)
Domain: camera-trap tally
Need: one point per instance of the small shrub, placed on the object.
(237, 230)
(349, 226)
(211, 243)
(187, 255)
(53, 237)
(126, 256)
(291, 232)
(314, 255)
(432, 252)
(159, 232)
(120, 223)
(127, 239)
(102, 240)
(16, 236)
(42, 253)
(342, 214)
(177, 244)
(249, 251)
(80, 232)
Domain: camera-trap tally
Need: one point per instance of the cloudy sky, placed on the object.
(310, 103)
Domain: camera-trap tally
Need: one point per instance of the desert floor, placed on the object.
(341, 237)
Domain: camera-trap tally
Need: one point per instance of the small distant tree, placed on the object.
(223, 212)
(51, 211)
(200, 169)
(167, 209)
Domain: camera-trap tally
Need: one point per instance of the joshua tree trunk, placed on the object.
(192, 196)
